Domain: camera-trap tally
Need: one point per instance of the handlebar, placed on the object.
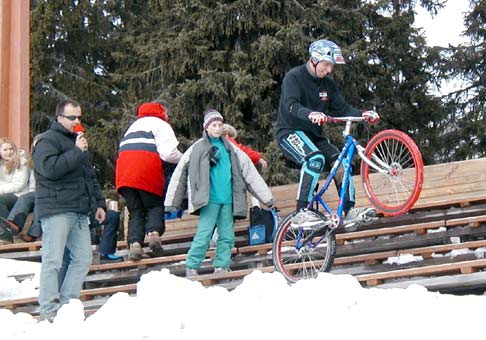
(345, 119)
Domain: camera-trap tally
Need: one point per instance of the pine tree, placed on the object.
(71, 58)
(390, 70)
(232, 56)
(465, 129)
(228, 55)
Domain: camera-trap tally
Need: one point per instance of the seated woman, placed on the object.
(14, 175)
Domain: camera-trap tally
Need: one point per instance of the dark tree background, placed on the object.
(232, 55)
(463, 132)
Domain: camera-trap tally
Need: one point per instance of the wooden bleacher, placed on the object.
(450, 215)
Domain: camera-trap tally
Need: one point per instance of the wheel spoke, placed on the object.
(308, 260)
(393, 193)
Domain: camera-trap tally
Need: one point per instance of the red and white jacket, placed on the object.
(146, 145)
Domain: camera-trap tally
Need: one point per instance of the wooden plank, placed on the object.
(417, 227)
(443, 248)
(391, 230)
(209, 279)
(447, 283)
(408, 241)
(424, 271)
(6, 248)
(85, 294)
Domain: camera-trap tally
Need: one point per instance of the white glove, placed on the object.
(318, 117)
(371, 116)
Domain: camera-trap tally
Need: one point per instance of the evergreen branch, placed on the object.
(136, 75)
(297, 3)
(57, 93)
(460, 91)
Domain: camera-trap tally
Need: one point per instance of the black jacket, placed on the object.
(65, 178)
(301, 94)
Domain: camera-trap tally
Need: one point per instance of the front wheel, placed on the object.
(396, 187)
(300, 252)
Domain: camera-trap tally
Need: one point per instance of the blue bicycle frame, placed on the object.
(345, 158)
(392, 174)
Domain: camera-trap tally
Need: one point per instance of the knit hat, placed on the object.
(210, 116)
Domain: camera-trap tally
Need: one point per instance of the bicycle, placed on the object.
(392, 176)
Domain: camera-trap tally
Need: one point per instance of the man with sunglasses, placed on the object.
(65, 193)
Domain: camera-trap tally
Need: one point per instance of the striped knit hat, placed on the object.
(210, 116)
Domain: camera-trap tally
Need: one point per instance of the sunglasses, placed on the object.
(72, 118)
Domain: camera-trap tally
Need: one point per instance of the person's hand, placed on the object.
(318, 117)
(371, 117)
(263, 163)
(82, 142)
(100, 215)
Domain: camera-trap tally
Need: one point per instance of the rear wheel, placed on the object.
(301, 253)
(396, 190)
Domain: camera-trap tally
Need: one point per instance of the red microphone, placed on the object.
(79, 130)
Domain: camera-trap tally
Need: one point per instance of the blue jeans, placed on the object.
(110, 231)
(71, 231)
(7, 201)
(107, 243)
(22, 208)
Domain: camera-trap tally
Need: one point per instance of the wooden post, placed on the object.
(14, 71)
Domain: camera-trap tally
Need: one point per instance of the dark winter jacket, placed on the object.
(302, 94)
(65, 178)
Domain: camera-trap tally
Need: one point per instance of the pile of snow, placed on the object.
(263, 306)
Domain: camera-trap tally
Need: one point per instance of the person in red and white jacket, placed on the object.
(145, 146)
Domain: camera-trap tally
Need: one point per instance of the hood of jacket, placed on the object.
(152, 110)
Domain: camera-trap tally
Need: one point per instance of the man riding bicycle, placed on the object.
(307, 96)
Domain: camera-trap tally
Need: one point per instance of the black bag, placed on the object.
(263, 224)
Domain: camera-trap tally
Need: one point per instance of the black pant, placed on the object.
(146, 213)
(7, 202)
(299, 148)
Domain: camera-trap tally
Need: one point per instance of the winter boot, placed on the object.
(136, 251)
(154, 244)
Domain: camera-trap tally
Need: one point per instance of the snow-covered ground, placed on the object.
(263, 306)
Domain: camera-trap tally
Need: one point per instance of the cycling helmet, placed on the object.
(326, 50)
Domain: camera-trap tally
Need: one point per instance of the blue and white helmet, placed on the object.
(326, 50)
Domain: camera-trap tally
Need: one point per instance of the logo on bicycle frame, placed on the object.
(297, 143)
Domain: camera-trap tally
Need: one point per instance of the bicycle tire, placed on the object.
(397, 191)
(308, 262)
